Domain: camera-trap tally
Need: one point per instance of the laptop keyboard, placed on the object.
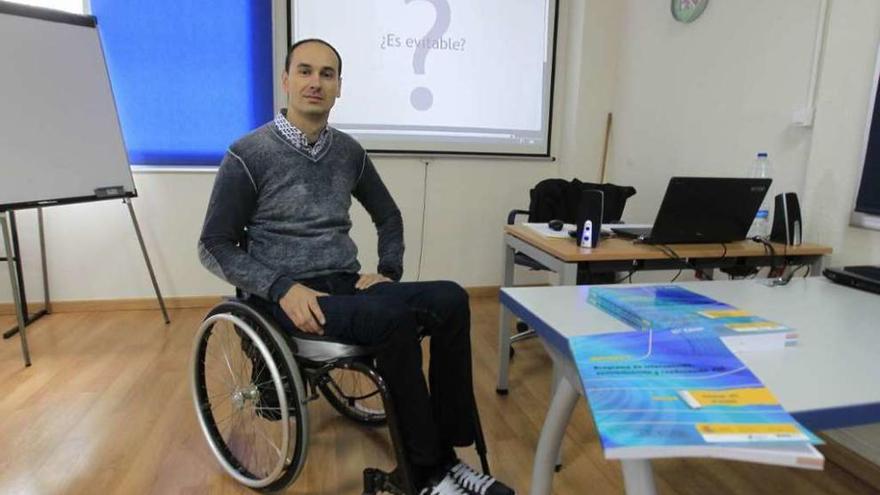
(865, 271)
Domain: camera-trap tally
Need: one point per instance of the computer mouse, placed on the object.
(555, 224)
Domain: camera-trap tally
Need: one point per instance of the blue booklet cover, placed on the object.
(663, 393)
(671, 306)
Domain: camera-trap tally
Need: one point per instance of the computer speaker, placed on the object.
(787, 222)
(589, 218)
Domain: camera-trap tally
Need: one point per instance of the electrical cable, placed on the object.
(628, 276)
(723, 256)
(668, 251)
(785, 280)
(769, 246)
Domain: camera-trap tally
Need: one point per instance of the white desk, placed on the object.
(829, 380)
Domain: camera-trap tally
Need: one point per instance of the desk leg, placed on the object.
(816, 266)
(554, 386)
(505, 320)
(569, 274)
(561, 407)
(638, 479)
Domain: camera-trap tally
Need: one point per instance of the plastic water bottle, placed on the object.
(761, 170)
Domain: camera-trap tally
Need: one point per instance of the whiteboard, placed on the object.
(60, 138)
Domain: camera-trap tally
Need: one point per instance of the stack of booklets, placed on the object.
(683, 393)
(671, 306)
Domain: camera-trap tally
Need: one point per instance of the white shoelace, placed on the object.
(471, 479)
(447, 486)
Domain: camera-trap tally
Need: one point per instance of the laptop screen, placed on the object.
(708, 209)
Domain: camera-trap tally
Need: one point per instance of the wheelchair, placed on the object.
(251, 385)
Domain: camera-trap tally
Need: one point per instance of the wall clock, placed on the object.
(688, 10)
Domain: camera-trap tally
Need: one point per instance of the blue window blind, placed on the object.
(189, 76)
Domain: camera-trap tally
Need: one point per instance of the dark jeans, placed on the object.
(392, 313)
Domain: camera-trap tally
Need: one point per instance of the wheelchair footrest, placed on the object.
(378, 481)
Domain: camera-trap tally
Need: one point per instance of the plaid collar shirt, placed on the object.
(298, 139)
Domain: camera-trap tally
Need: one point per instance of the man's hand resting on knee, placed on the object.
(369, 279)
(301, 305)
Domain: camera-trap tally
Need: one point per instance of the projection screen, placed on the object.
(440, 76)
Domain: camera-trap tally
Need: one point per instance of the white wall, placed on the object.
(838, 136)
(703, 98)
(93, 253)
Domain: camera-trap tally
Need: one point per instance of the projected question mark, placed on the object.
(421, 97)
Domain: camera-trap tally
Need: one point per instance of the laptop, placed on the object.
(865, 277)
(703, 210)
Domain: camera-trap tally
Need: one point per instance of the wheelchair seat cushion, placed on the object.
(313, 347)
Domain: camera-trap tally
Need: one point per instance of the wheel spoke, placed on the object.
(269, 441)
(244, 355)
(258, 372)
(228, 364)
(220, 374)
(226, 418)
(210, 402)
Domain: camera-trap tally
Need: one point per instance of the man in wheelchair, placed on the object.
(289, 184)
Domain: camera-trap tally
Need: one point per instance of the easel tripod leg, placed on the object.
(137, 230)
(48, 305)
(13, 278)
(16, 259)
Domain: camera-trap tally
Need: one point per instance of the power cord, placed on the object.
(778, 281)
(627, 277)
(672, 254)
(768, 246)
(668, 251)
(777, 274)
(701, 274)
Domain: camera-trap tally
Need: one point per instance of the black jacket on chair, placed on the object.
(558, 199)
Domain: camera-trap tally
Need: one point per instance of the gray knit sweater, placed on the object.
(296, 211)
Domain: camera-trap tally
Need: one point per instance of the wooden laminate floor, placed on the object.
(106, 408)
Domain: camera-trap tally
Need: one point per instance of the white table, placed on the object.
(829, 380)
(564, 257)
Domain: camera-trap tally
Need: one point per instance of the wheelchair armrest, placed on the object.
(511, 217)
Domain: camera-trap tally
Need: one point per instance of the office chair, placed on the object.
(557, 199)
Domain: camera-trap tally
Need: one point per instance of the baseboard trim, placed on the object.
(134, 304)
(483, 291)
(148, 303)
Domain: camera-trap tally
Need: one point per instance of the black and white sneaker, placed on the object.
(474, 483)
(446, 486)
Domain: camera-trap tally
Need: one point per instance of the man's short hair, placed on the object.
(312, 40)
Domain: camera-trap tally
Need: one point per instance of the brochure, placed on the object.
(682, 392)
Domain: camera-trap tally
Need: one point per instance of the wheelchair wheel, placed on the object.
(249, 397)
(352, 390)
